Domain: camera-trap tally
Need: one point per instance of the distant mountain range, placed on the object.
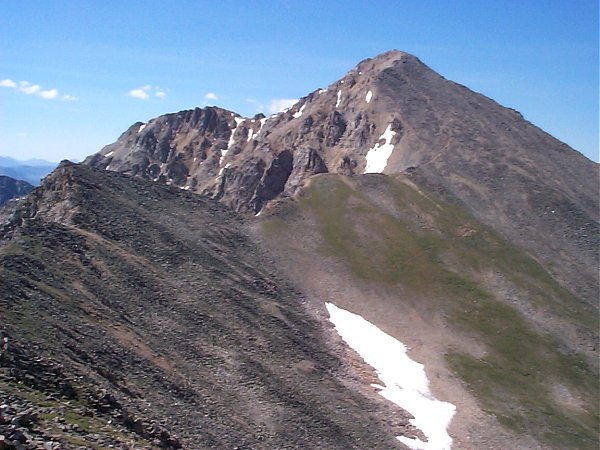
(31, 170)
(173, 291)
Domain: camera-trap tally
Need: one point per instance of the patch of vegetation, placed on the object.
(512, 381)
(274, 225)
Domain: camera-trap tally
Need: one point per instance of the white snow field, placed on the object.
(405, 381)
(378, 155)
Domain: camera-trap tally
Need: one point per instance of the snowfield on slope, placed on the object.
(378, 155)
(405, 381)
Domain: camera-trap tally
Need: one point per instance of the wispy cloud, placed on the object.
(147, 91)
(211, 96)
(8, 83)
(68, 98)
(49, 94)
(139, 93)
(279, 104)
(28, 88)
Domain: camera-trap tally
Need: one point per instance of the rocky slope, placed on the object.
(11, 188)
(498, 336)
(138, 315)
(398, 114)
(143, 314)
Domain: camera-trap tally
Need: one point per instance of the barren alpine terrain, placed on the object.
(186, 286)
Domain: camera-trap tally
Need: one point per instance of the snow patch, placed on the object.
(142, 126)
(231, 141)
(405, 381)
(250, 133)
(108, 167)
(339, 98)
(109, 154)
(262, 124)
(322, 91)
(298, 114)
(222, 169)
(369, 96)
(378, 155)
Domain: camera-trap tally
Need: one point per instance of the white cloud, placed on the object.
(28, 88)
(146, 91)
(49, 94)
(68, 98)
(211, 96)
(35, 89)
(279, 104)
(139, 93)
(8, 83)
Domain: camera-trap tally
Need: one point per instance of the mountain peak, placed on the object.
(385, 60)
(390, 114)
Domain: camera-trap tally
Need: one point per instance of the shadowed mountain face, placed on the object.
(11, 188)
(512, 176)
(155, 314)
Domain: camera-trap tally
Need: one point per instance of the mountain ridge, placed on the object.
(509, 173)
(170, 292)
(153, 313)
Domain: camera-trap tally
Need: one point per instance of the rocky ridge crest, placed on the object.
(535, 190)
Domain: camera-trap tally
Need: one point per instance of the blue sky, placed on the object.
(74, 74)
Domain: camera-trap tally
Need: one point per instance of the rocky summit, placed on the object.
(390, 114)
(172, 291)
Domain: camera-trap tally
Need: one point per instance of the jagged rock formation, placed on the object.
(11, 188)
(141, 316)
(511, 175)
